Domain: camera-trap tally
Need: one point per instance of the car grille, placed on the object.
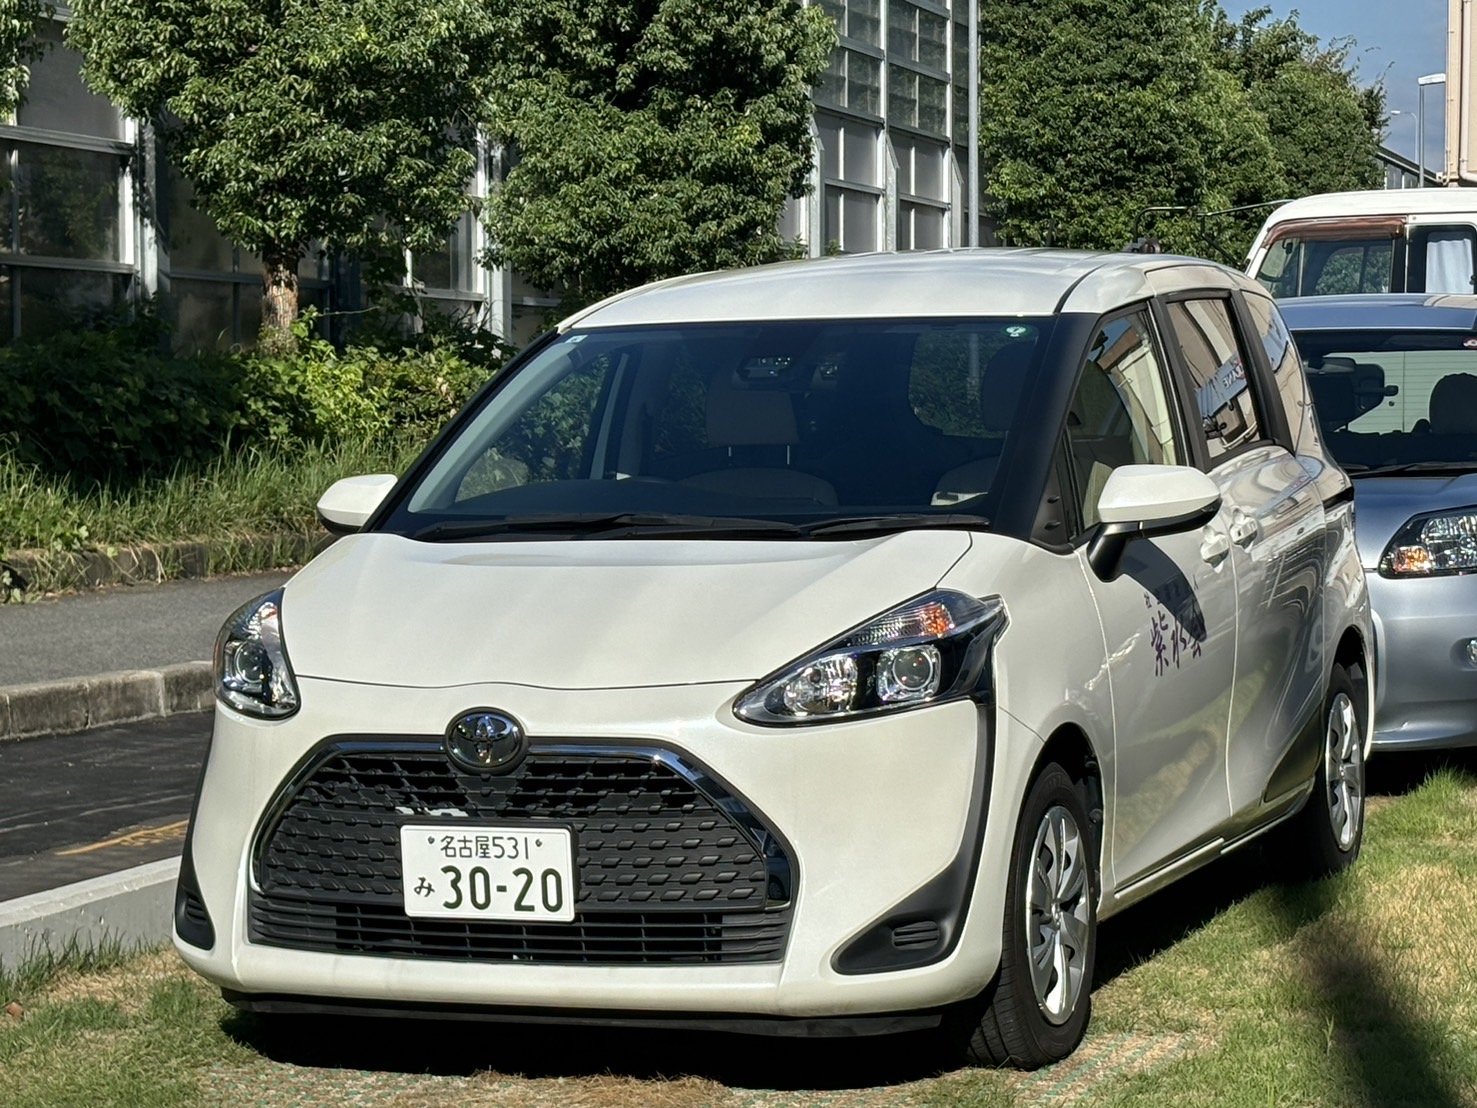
(671, 867)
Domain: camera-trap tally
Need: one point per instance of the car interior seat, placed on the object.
(757, 429)
(1001, 384)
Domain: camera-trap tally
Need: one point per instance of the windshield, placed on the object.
(732, 428)
(1395, 399)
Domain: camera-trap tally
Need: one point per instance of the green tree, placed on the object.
(1092, 112)
(351, 122)
(1325, 127)
(18, 47)
(650, 138)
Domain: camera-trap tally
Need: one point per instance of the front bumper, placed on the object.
(1426, 696)
(870, 812)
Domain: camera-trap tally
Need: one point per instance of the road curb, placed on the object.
(126, 696)
(133, 907)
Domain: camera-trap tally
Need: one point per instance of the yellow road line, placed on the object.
(144, 836)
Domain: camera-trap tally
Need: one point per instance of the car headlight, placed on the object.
(931, 649)
(252, 673)
(1436, 545)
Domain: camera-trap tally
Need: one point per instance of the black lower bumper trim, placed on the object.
(818, 1027)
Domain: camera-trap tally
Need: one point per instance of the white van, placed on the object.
(1385, 240)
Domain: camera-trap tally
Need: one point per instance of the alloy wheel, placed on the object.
(1344, 771)
(1058, 914)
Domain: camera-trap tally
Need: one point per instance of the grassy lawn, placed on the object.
(1225, 990)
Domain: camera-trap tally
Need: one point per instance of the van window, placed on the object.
(1441, 260)
(1294, 266)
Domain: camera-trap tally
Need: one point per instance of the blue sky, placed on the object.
(1397, 40)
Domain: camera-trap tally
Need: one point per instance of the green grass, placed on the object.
(1224, 990)
(248, 491)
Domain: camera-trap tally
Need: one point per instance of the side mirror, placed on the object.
(1141, 501)
(348, 503)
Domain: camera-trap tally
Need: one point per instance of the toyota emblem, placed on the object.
(486, 741)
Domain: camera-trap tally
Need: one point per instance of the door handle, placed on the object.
(1243, 529)
(1214, 545)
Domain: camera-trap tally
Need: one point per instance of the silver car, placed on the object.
(1394, 380)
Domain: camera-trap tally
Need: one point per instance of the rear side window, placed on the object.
(1295, 266)
(1224, 400)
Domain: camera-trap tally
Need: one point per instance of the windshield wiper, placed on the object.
(881, 525)
(603, 524)
(1354, 469)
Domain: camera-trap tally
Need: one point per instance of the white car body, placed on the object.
(894, 828)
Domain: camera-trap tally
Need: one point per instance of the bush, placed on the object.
(108, 405)
(107, 402)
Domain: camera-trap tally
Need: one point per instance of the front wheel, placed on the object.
(1039, 1003)
(1325, 836)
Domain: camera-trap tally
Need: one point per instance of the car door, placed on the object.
(1168, 620)
(1274, 520)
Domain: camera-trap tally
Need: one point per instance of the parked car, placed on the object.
(1383, 240)
(815, 649)
(1394, 380)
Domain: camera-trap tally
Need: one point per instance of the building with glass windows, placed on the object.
(93, 218)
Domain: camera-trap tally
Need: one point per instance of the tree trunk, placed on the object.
(279, 299)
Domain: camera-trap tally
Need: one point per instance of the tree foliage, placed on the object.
(1094, 112)
(19, 46)
(351, 122)
(650, 137)
(1325, 128)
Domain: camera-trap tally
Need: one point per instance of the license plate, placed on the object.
(520, 874)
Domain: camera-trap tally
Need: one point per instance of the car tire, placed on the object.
(1038, 1005)
(1326, 835)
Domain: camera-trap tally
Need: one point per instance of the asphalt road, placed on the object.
(79, 806)
(124, 627)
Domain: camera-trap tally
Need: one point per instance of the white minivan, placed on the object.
(816, 649)
(1384, 240)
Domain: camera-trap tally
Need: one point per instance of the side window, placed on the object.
(1282, 355)
(1223, 395)
(1354, 267)
(1120, 413)
(1441, 260)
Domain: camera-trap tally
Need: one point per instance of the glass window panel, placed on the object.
(528, 324)
(902, 40)
(53, 300)
(864, 83)
(859, 222)
(928, 171)
(68, 202)
(836, 9)
(56, 98)
(1120, 414)
(933, 105)
(1223, 393)
(831, 89)
(902, 148)
(432, 268)
(864, 21)
(928, 228)
(6, 288)
(832, 232)
(904, 227)
(830, 142)
(194, 241)
(933, 40)
(7, 229)
(249, 318)
(861, 154)
(902, 96)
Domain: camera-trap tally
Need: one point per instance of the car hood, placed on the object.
(383, 609)
(1384, 504)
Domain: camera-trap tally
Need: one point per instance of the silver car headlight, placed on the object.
(931, 649)
(252, 673)
(1436, 545)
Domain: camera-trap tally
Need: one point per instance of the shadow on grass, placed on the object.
(1386, 1056)
(462, 1048)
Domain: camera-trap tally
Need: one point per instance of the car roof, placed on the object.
(989, 281)
(1378, 202)
(1394, 311)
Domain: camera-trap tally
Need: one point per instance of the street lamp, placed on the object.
(1420, 142)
